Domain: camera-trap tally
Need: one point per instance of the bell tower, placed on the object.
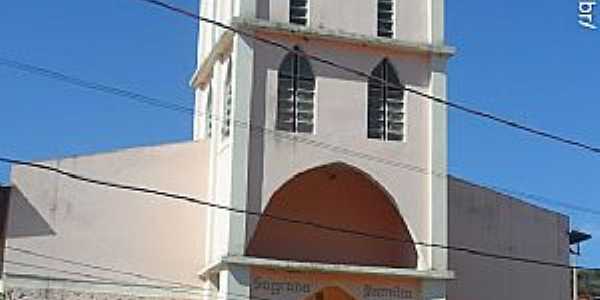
(296, 138)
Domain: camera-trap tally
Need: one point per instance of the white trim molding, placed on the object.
(323, 268)
(257, 25)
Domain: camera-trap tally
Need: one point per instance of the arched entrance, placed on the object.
(330, 293)
(339, 196)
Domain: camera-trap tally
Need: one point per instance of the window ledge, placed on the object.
(342, 36)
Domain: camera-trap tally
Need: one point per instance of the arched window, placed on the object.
(227, 100)
(386, 104)
(299, 12)
(385, 18)
(295, 95)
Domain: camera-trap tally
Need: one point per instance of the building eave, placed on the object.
(323, 268)
(211, 268)
(523, 199)
(222, 48)
(257, 25)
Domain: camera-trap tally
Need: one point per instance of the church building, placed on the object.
(326, 146)
(336, 183)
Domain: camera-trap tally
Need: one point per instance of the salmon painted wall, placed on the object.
(251, 166)
(128, 231)
(341, 119)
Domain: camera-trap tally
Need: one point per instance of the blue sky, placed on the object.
(519, 59)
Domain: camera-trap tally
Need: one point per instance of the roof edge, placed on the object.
(505, 195)
(343, 36)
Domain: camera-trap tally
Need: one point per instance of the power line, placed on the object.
(46, 268)
(179, 286)
(176, 107)
(97, 282)
(546, 200)
(91, 266)
(460, 107)
(161, 103)
(315, 225)
(173, 284)
(257, 129)
(95, 267)
(150, 100)
(53, 74)
(100, 280)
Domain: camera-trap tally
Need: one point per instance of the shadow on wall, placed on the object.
(23, 218)
(334, 196)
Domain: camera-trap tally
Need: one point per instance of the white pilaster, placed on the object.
(437, 20)
(438, 163)
(243, 70)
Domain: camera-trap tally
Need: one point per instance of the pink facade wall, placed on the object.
(129, 231)
(341, 120)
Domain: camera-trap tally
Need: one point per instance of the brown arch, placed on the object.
(339, 196)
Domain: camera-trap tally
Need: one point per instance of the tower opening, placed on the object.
(335, 196)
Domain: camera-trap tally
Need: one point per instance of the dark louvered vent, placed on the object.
(299, 12)
(385, 18)
(385, 104)
(296, 90)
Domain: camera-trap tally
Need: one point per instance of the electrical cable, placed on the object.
(544, 200)
(256, 129)
(53, 74)
(179, 288)
(95, 267)
(315, 225)
(485, 115)
(153, 101)
(56, 75)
